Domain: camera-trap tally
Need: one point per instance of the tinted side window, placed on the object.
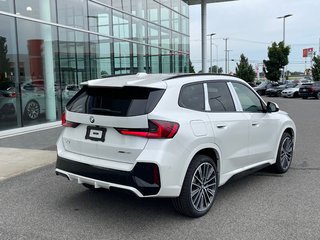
(220, 99)
(249, 101)
(192, 97)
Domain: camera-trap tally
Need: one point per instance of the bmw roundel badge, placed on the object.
(91, 119)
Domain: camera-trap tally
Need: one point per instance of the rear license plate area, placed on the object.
(97, 134)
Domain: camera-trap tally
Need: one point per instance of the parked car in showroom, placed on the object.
(276, 91)
(310, 90)
(32, 98)
(263, 86)
(291, 92)
(167, 135)
(7, 97)
(68, 92)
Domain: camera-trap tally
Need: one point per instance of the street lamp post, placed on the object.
(284, 25)
(284, 36)
(211, 34)
(217, 56)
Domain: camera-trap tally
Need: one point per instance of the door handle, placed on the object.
(221, 125)
(255, 124)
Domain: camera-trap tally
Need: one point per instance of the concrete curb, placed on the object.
(15, 161)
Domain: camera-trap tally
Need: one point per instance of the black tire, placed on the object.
(278, 94)
(304, 97)
(285, 154)
(32, 110)
(198, 192)
(295, 95)
(318, 95)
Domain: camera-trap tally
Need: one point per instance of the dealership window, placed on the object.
(99, 18)
(176, 5)
(74, 58)
(40, 9)
(37, 54)
(184, 9)
(139, 8)
(6, 6)
(165, 16)
(166, 57)
(184, 25)
(121, 25)
(72, 13)
(9, 88)
(100, 57)
(153, 11)
(139, 58)
(166, 2)
(124, 5)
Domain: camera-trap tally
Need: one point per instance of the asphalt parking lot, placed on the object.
(40, 205)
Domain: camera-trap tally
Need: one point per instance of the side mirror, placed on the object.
(272, 107)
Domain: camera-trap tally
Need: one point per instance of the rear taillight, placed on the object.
(12, 95)
(312, 89)
(157, 129)
(66, 123)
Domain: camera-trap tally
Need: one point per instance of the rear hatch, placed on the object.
(305, 88)
(96, 115)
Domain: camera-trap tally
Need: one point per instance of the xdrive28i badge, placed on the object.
(91, 119)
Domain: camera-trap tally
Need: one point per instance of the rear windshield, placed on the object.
(126, 101)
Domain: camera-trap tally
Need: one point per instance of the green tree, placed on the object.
(244, 70)
(278, 58)
(4, 61)
(191, 67)
(215, 69)
(316, 68)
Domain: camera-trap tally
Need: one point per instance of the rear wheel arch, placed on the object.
(289, 131)
(212, 153)
(206, 151)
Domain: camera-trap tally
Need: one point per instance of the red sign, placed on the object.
(307, 52)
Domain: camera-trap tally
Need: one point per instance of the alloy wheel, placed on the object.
(33, 110)
(203, 186)
(286, 153)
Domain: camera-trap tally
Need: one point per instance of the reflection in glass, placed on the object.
(6, 6)
(72, 13)
(124, 5)
(166, 61)
(8, 75)
(74, 58)
(100, 59)
(165, 14)
(153, 11)
(99, 18)
(39, 9)
(139, 58)
(37, 51)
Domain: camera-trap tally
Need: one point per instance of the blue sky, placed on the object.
(251, 26)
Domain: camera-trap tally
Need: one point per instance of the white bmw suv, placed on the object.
(166, 135)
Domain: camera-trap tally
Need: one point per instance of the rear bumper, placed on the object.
(307, 94)
(8, 109)
(143, 180)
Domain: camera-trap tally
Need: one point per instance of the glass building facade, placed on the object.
(48, 47)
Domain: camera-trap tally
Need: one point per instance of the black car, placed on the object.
(276, 91)
(310, 90)
(261, 89)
